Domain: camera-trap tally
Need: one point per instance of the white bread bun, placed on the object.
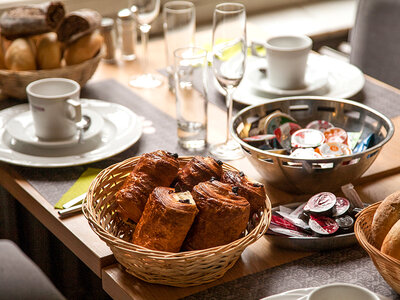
(391, 243)
(387, 214)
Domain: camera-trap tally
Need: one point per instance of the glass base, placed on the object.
(146, 81)
(227, 151)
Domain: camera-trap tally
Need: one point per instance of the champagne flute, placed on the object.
(228, 64)
(146, 12)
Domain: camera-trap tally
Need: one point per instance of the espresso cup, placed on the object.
(55, 107)
(287, 60)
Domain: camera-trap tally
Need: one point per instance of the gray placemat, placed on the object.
(350, 265)
(53, 183)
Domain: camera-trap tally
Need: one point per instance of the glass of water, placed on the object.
(190, 65)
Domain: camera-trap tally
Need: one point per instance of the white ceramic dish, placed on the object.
(314, 80)
(22, 129)
(122, 128)
(344, 80)
(301, 294)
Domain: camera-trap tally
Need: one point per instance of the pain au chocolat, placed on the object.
(153, 169)
(166, 219)
(222, 217)
(198, 169)
(253, 191)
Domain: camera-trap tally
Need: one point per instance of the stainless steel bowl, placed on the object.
(306, 175)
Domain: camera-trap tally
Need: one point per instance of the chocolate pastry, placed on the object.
(153, 169)
(253, 191)
(222, 217)
(197, 170)
(31, 19)
(77, 24)
(166, 219)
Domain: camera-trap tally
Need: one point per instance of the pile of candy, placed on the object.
(280, 133)
(323, 214)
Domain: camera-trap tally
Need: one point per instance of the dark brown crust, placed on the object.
(31, 19)
(165, 222)
(78, 23)
(154, 169)
(252, 191)
(197, 170)
(222, 216)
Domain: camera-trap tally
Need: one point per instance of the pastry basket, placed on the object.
(315, 175)
(14, 83)
(387, 266)
(176, 269)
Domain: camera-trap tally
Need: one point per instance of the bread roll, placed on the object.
(222, 217)
(166, 220)
(20, 55)
(83, 49)
(153, 169)
(391, 243)
(387, 214)
(48, 51)
(197, 170)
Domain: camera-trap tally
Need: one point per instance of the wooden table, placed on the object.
(75, 233)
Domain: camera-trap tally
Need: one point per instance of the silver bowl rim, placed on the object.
(322, 160)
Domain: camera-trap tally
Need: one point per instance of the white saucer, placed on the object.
(314, 79)
(22, 129)
(344, 80)
(122, 128)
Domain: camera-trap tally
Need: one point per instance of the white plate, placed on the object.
(344, 80)
(299, 294)
(122, 128)
(22, 129)
(315, 78)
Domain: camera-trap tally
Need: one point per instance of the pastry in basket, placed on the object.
(223, 215)
(166, 219)
(197, 170)
(387, 214)
(83, 48)
(153, 169)
(21, 55)
(31, 19)
(254, 192)
(391, 243)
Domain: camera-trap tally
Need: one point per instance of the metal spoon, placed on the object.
(83, 125)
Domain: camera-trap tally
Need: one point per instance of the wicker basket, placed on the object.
(177, 269)
(14, 83)
(387, 266)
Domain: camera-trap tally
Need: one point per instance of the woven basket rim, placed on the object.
(5, 72)
(117, 242)
(359, 233)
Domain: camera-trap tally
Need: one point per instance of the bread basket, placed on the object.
(387, 266)
(176, 269)
(13, 83)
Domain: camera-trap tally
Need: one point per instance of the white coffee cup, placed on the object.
(337, 291)
(55, 107)
(287, 60)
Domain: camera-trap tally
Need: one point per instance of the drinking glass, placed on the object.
(146, 12)
(179, 23)
(191, 97)
(228, 64)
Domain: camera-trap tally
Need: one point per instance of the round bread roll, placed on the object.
(49, 51)
(387, 214)
(20, 55)
(83, 49)
(391, 243)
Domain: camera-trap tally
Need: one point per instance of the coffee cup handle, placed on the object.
(76, 105)
(254, 45)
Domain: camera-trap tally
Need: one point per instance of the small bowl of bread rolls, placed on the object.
(42, 41)
(179, 221)
(377, 229)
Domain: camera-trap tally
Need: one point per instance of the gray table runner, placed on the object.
(53, 183)
(350, 265)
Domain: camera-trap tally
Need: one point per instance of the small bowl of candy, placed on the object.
(311, 144)
(325, 221)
